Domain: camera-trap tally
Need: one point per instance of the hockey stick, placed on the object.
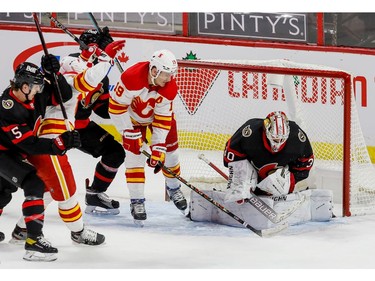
(55, 81)
(63, 28)
(259, 232)
(96, 25)
(258, 203)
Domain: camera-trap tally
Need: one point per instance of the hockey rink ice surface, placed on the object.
(169, 240)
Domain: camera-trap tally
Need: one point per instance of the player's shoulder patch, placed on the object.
(7, 104)
(247, 131)
(301, 135)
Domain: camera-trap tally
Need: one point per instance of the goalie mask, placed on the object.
(28, 73)
(163, 61)
(276, 127)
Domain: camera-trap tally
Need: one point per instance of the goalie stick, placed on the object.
(258, 203)
(96, 25)
(55, 81)
(260, 232)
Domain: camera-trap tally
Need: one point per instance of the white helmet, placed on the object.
(165, 61)
(276, 126)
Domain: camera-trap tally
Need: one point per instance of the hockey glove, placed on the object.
(66, 141)
(50, 64)
(132, 141)
(91, 53)
(114, 47)
(281, 182)
(104, 38)
(92, 96)
(157, 155)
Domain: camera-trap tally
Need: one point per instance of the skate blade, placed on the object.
(89, 245)
(139, 223)
(15, 241)
(98, 211)
(38, 256)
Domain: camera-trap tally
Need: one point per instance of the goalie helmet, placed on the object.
(276, 127)
(28, 73)
(164, 61)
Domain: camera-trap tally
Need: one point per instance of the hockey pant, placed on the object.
(97, 142)
(57, 175)
(15, 172)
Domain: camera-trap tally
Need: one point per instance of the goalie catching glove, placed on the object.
(132, 141)
(281, 182)
(66, 141)
(157, 155)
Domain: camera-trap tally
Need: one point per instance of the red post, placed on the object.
(185, 24)
(320, 29)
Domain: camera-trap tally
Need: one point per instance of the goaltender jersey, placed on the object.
(250, 142)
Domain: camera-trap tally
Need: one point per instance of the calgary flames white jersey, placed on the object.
(136, 103)
(84, 78)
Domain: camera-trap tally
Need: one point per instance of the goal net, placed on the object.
(217, 97)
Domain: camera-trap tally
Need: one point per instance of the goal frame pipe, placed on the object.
(307, 72)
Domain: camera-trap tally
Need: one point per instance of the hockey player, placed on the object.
(55, 170)
(22, 103)
(142, 99)
(267, 156)
(87, 73)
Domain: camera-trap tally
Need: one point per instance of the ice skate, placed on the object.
(39, 249)
(178, 198)
(100, 203)
(138, 211)
(88, 237)
(19, 235)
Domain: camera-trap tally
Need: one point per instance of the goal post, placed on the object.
(218, 96)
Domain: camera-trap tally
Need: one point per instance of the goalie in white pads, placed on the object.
(268, 157)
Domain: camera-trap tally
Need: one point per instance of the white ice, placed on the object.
(169, 240)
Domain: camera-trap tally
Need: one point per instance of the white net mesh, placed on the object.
(213, 102)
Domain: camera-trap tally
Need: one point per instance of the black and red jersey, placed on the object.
(250, 142)
(19, 120)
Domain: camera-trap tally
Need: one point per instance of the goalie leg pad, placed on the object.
(284, 202)
(204, 211)
(321, 204)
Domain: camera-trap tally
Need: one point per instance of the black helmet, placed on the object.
(28, 73)
(90, 36)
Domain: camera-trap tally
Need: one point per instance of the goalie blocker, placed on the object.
(317, 207)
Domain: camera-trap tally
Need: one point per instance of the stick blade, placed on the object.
(269, 232)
